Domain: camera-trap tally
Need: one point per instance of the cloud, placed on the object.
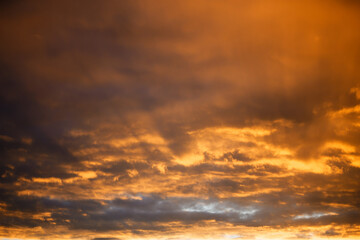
(331, 232)
(134, 119)
(105, 238)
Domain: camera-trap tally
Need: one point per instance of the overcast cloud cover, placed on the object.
(162, 119)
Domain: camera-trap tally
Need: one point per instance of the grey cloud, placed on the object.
(331, 232)
(105, 239)
(251, 169)
(152, 211)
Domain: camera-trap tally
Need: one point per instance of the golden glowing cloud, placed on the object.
(145, 119)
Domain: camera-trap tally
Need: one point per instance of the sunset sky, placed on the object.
(179, 119)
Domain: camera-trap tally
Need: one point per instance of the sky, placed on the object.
(179, 120)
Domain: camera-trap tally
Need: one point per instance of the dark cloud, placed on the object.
(331, 232)
(105, 238)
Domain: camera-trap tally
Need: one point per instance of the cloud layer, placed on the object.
(179, 120)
